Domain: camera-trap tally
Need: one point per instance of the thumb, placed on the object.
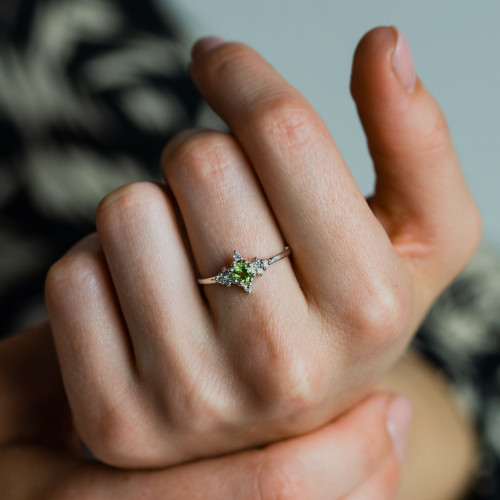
(421, 197)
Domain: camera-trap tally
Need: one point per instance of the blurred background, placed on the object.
(456, 49)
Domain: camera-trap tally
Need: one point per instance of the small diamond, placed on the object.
(259, 265)
(224, 277)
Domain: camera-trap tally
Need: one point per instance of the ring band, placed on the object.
(242, 272)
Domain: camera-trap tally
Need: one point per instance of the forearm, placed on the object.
(442, 447)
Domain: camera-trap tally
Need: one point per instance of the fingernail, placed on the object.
(399, 417)
(205, 44)
(402, 62)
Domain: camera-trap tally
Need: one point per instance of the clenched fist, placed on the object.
(159, 370)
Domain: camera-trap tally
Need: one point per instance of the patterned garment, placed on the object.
(90, 92)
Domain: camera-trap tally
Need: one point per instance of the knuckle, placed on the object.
(61, 272)
(76, 269)
(126, 204)
(278, 478)
(284, 119)
(198, 158)
(111, 436)
(382, 310)
(292, 388)
(201, 412)
(287, 383)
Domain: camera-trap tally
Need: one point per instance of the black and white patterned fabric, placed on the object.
(90, 91)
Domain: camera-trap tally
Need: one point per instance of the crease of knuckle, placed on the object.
(285, 122)
(278, 478)
(202, 158)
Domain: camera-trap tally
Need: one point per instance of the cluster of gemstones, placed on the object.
(242, 272)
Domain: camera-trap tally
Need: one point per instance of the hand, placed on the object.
(346, 459)
(159, 371)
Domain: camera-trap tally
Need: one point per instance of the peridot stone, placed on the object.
(242, 272)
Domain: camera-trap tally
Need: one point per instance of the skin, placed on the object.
(159, 372)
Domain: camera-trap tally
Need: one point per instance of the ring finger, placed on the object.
(224, 209)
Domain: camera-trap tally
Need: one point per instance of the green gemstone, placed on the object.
(242, 272)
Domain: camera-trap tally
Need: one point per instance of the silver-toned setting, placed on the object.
(242, 272)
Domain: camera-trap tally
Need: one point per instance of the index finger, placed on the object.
(317, 204)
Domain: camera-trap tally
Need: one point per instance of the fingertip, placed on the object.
(382, 67)
(205, 44)
(380, 36)
(372, 54)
